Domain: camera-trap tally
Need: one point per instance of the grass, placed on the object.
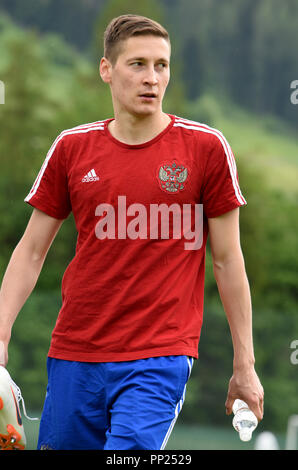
(211, 438)
(183, 437)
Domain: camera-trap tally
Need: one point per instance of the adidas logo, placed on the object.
(91, 176)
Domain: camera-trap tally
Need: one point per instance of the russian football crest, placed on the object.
(172, 177)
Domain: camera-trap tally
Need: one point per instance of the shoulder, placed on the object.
(214, 137)
(84, 128)
(73, 133)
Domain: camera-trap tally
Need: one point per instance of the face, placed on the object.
(139, 78)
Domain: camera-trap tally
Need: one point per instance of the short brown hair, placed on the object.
(125, 26)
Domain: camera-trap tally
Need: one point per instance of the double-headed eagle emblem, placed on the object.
(172, 177)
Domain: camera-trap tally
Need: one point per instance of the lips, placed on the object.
(148, 95)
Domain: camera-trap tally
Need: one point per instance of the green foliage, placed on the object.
(56, 91)
(30, 343)
(244, 50)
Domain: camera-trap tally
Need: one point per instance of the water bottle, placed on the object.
(244, 421)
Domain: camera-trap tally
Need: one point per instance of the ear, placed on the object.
(105, 68)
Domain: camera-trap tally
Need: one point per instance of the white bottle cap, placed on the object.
(245, 434)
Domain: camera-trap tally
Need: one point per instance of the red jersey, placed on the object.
(135, 286)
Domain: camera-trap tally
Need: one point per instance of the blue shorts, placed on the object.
(113, 405)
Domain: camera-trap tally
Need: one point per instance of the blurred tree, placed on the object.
(193, 73)
(242, 49)
(43, 98)
(72, 19)
(275, 56)
(23, 124)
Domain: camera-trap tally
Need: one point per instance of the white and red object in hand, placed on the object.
(12, 434)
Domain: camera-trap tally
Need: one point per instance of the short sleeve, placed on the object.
(49, 192)
(221, 191)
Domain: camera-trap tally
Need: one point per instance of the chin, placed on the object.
(145, 111)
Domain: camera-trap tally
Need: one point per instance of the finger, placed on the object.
(229, 405)
(261, 409)
(257, 409)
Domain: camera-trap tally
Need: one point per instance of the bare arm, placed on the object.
(233, 287)
(23, 271)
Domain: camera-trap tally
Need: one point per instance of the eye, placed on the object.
(162, 65)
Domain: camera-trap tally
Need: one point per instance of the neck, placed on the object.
(134, 130)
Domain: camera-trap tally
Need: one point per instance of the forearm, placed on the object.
(18, 282)
(233, 287)
(234, 291)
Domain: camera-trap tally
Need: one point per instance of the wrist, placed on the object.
(243, 364)
(5, 334)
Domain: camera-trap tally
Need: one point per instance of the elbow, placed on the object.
(30, 251)
(230, 260)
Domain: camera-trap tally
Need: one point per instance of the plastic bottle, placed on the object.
(244, 421)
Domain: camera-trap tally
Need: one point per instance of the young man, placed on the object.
(129, 327)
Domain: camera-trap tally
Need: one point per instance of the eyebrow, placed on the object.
(141, 59)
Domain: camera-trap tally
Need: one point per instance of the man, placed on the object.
(128, 330)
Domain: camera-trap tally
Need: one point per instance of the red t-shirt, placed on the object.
(135, 286)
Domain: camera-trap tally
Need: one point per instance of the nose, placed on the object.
(151, 76)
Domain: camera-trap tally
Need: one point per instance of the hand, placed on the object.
(245, 385)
